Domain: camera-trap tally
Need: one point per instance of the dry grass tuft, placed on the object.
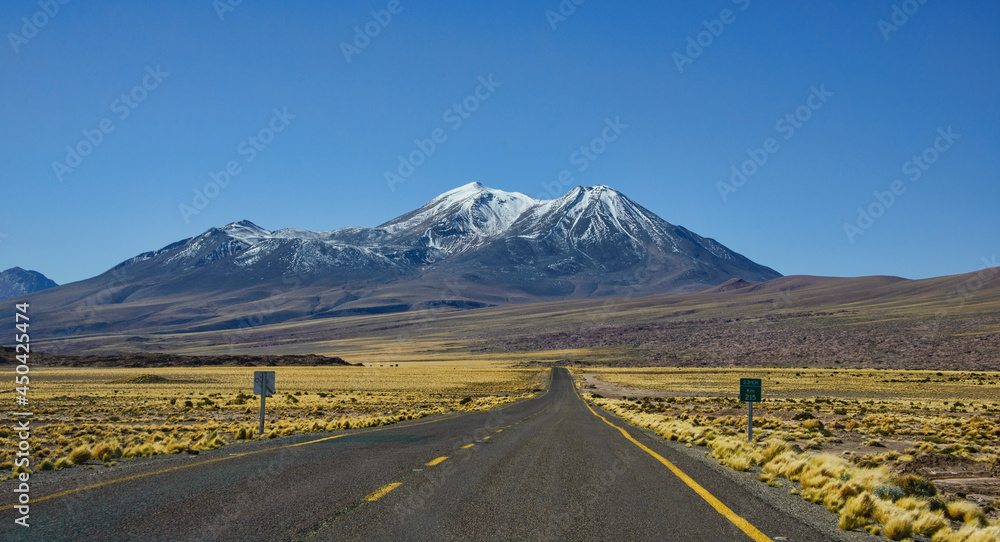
(79, 455)
(968, 512)
(866, 497)
(857, 512)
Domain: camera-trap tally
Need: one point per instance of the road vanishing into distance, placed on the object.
(548, 468)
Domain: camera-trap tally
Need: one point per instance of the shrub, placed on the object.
(889, 493)
(912, 484)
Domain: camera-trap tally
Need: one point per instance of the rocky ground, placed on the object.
(8, 356)
(807, 339)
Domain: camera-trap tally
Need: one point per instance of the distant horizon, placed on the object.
(833, 139)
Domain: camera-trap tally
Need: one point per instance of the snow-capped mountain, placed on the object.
(469, 247)
(16, 281)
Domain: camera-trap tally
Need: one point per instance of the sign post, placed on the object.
(750, 393)
(263, 385)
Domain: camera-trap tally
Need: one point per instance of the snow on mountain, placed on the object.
(485, 211)
(473, 246)
(590, 235)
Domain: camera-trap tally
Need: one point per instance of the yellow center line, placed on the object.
(206, 462)
(487, 437)
(433, 462)
(715, 503)
(468, 446)
(380, 492)
(234, 456)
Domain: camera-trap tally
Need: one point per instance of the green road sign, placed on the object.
(750, 390)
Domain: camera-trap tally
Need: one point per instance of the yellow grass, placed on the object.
(932, 389)
(98, 415)
(864, 497)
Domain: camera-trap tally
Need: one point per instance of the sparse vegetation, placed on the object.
(866, 490)
(101, 415)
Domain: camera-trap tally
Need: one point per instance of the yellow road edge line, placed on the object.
(725, 511)
(433, 462)
(468, 446)
(380, 492)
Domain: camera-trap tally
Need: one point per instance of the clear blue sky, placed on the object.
(219, 79)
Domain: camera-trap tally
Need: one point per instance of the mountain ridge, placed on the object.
(472, 246)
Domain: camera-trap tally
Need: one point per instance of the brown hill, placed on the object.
(143, 360)
(941, 324)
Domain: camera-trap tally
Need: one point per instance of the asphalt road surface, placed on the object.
(549, 468)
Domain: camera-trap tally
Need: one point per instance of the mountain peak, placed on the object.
(242, 225)
(17, 281)
(464, 214)
(471, 191)
(245, 230)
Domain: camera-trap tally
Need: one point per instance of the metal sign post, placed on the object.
(750, 392)
(263, 385)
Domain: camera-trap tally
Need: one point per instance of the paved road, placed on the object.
(549, 468)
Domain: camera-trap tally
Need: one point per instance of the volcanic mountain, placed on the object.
(16, 281)
(470, 247)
